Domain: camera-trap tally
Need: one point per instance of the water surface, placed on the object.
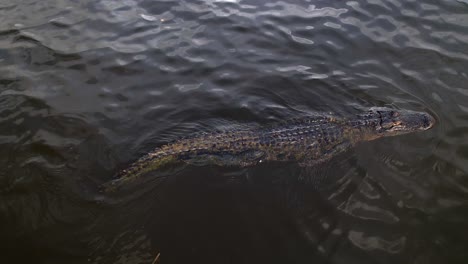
(87, 87)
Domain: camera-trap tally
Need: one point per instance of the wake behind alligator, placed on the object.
(307, 141)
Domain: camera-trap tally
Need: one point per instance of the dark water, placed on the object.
(86, 87)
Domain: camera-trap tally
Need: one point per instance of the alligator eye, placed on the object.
(395, 114)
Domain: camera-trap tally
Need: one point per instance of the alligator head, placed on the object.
(382, 122)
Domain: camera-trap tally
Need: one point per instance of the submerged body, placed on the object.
(307, 141)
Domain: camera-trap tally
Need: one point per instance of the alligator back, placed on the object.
(307, 141)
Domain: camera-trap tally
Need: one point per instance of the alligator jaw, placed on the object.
(397, 122)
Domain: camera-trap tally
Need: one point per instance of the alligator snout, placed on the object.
(428, 122)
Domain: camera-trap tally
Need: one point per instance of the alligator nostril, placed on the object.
(428, 121)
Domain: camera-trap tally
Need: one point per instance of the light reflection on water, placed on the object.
(87, 87)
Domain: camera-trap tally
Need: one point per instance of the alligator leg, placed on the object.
(314, 161)
(243, 159)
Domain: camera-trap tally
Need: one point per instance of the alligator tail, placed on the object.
(142, 166)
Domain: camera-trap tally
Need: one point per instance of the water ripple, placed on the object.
(86, 87)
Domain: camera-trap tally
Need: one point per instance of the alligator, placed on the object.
(307, 141)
